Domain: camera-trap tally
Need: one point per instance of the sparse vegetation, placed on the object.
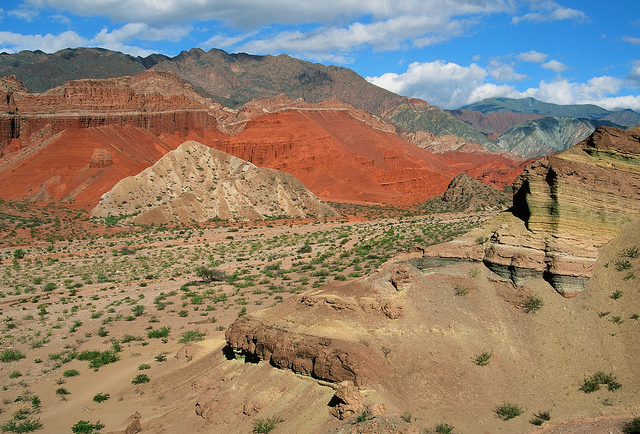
(86, 427)
(10, 355)
(508, 411)
(532, 304)
(592, 384)
(140, 379)
(101, 397)
(444, 428)
(266, 425)
(482, 359)
(191, 336)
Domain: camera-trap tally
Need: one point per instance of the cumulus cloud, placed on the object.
(555, 66)
(504, 71)
(532, 56)
(447, 85)
(547, 10)
(14, 42)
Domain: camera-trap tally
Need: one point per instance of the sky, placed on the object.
(448, 52)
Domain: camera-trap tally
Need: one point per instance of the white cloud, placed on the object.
(447, 85)
(631, 40)
(555, 66)
(23, 13)
(634, 74)
(14, 42)
(532, 56)
(504, 71)
(547, 10)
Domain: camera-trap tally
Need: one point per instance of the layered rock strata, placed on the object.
(566, 207)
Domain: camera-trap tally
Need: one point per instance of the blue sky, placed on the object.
(447, 52)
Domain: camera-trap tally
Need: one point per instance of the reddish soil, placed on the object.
(343, 159)
(59, 169)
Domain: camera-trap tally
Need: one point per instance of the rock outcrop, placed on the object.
(565, 208)
(465, 193)
(195, 184)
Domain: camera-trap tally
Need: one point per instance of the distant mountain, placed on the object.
(417, 115)
(543, 136)
(492, 124)
(40, 71)
(533, 106)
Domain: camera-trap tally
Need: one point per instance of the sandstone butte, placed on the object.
(195, 184)
(565, 208)
(73, 143)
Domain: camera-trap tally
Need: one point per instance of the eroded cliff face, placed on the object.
(566, 207)
(159, 102)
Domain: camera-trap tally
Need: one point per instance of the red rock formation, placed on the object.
(338, 152)
(65, 167)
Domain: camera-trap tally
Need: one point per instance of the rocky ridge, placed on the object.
(195, 184)
(465, 193)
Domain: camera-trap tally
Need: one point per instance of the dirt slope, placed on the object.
(195, 183)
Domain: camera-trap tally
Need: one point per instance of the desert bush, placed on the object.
(593, 383)
(15, 374)
(616, 294)
(532, 304)
(86, 427)
(162, 332)
(210, 274)
(444, 428)
(144, 366)
(508, 411)
(460, 290)
(630, 252)
(61, 391)
(622, 264)
(482, 359)
(97, 358)
(21, 425)
(10, 355)
(633, 427)
(266, 425)
(161, 358)
(191, 336)
(101, 397)
(70, 373)
(140, 378)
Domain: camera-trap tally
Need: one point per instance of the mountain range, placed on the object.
(75, 122)
(235, 79)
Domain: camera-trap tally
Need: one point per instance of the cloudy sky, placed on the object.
(447, 52)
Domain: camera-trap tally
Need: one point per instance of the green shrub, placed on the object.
(266, 425)
(532, 304)
(161, 358)
(162, 332)
(21, 425)
(70, 373)
(10, 355)
(144, 366)
(191, 336)
(86, 427)
(593, 383)
(101, 397)
(616, 294)
(15, 374)
(61, 391)
(140, 378)
(508, 411)
(444, 428)
(633, 427)
(50, 286)
(482, 359)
